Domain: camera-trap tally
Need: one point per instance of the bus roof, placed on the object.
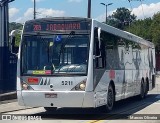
(123, 34)
(59, 18)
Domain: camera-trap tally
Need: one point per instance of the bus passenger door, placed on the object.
(99, 61)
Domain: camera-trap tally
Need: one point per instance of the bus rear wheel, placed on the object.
(142, 90)
(146, 88)
(49, 109)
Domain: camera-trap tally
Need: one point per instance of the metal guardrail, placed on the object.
(8, 96)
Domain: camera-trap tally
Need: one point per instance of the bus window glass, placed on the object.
(55, 54)
(113, 51)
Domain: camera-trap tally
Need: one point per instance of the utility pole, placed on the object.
(34, 13)
(89, 9)
(4, 45)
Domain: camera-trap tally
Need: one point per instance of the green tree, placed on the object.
(121, 18)
(155, 29)
(148, 29)
(114, 22)
(18, 39)
(14, 26)
(141, 28)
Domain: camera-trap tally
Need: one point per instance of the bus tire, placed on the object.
(142, 90)
(146, 87)
(110, 98)
(49, 109)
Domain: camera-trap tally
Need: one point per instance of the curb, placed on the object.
(8, 96)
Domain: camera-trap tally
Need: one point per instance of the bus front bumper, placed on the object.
(56, 99)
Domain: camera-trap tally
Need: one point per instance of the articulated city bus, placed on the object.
(80, 62)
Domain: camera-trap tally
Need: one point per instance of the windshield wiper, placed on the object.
(71, 35)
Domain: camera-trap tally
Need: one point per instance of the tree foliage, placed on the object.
(14, 26)
(121, 18)
(155, 29)
(124, 15)
(148, 29)
(141, 28)
(18, 39)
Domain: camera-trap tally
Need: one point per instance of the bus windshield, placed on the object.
(55, 54)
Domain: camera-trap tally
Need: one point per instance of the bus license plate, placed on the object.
(50, 95)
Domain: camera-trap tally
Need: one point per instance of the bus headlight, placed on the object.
(80, 87)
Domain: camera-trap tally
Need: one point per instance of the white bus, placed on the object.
(80, 62)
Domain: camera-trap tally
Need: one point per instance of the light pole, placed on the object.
(106, 8)
(89, 9)
(34, 13)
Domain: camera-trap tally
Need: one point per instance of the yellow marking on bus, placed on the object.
(39, 72)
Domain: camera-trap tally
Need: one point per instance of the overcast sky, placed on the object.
(22, 10)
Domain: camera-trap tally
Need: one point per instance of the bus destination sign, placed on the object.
(57, 26)
(54, 27)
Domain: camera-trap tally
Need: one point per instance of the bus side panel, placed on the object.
(152, 67)
(100, 98)
(128, 61)
(88, 100)
(20, 99)
(19, 89)
(101, 89)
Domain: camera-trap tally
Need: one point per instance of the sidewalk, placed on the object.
(10, 107)
(8, 103)
(157, 88)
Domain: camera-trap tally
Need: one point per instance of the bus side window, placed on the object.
(114, 46)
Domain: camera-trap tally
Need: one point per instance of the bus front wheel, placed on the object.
(110, 98)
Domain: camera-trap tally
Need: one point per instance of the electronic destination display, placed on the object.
(37, 26)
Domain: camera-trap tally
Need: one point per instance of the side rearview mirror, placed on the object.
(99, 43)
(13, 40)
